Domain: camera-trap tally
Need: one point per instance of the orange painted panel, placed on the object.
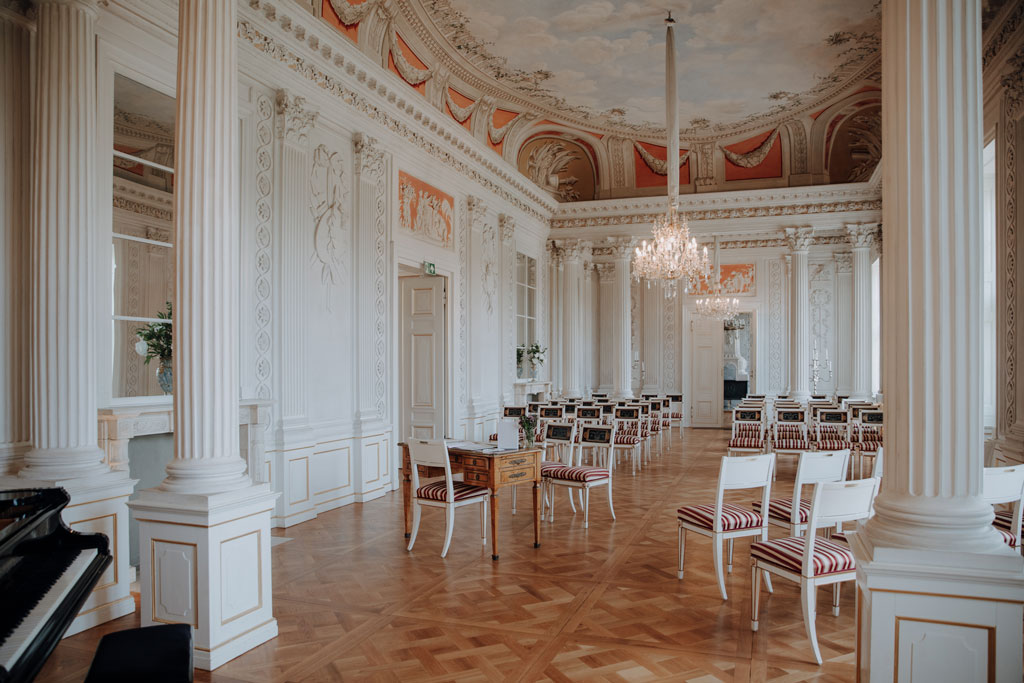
(410, 57)
(462, 101)
(425, 210)
(645, 177)
(500, 118)
(736, 278)
(771, 167)
(334, 20)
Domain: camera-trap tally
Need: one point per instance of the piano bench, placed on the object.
(155, 654)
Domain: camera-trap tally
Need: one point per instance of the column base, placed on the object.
(930, 615)
(205, 561)
(98, 505)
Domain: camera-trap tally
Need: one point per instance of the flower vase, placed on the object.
(519, 371)
(165, 376)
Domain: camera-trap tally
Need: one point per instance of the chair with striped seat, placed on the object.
(582, 478)
(813, 468)
(832, 430)
(789, 433)
(811, 560)
(1005, 485)
(869, 434)
(675, 402)
(627, 439)
(560, 449)
(747, 431)
(447, 493)
(723, 521)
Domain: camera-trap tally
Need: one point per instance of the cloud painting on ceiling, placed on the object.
(604, 59)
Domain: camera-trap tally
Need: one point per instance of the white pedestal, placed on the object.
(205, 561)
(523, 389)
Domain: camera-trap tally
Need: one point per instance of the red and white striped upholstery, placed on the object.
(734, 517)
(546, 466)
(677, 416)
(782, 508)
(1008, 538)
(832, 438)
(833, 445)
(839, 537)
(790, 437)
(746, 442)
(1003, 520)
(791, 444)
(581, 473)
(870, 439)
(746, 435)
(632, 431)
(626, 440)
(828, 557)
(665, 422)
(438, 491)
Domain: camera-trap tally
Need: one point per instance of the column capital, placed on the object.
(605, 272)
(844, 262)
(623, 249)
(571, 250)
(507, 224)
(800, 239)
(369, 156)
(862, 235)
(475, 210)
(294, 118)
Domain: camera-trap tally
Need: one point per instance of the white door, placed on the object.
(706, 388)
(423, 369)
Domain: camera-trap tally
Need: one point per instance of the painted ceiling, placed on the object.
(603, 60)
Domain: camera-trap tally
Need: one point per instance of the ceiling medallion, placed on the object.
(715, 306)
(672, 256)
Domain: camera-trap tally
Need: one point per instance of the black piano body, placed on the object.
(47, 572)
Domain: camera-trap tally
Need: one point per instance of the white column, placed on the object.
(862, 238)
(557, 296)
(940, 592)
(15, 188)
(843, 361)
(507, 229)
(59, 325)
(605, 340)
(572, 276)
(799, 314)
(204, 533)
(295, 440)
(653, 335)
(623, 381)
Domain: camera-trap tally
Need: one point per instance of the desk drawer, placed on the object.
(517, 461)
(475, 462)
(476, 477)
(512, 476)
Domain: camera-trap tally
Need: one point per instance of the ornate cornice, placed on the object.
(1002, 36)
(507, 225)
(142, 200)
(294, 118)
(862, 236)
(1013, 84)
(140, 127)
(799, 239)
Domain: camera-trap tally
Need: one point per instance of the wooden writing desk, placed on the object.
(491, 470)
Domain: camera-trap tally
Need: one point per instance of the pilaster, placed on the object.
(507, 228)
(862, 240)
(606, 326)
(845, 324)
(572, 339)
(654, 336)
(799, 314)
(623, 382)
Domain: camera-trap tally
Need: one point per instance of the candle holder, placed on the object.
(817, 369)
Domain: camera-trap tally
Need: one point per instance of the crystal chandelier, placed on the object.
(715, 306)
(672, 255)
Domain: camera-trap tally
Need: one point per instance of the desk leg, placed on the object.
(406, 500)
(536, 514)
(494, 524)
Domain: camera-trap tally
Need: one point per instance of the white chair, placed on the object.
(832, 430)
(447, 493)
(813, 468)
(725, 521)
(747, 431)
(559, 447)
(811, 560)
(627, 434)
(583, 478)
(870, 434)
(789, 433)
(676, 409)
(1005, 485)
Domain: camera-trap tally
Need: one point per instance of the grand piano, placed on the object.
(46, 573)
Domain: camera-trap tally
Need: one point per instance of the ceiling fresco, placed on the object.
(603, 60)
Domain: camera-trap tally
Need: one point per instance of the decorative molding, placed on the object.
(507, 225)
(1010, 127)
(862, 236)
(844, 262)
(1006, 31)
(798, 152)
(488, 265)
(328, 197)
(799, 239)
(1013, 85)
(141, 127)
(410, 73)
(705, 164)
(352, 14)
(670, 376)
(755, 156)
(460, 114)
(605, 272)
(264, 245)
(475, 212)
(658, 166)
(142, 200)
(294, 119)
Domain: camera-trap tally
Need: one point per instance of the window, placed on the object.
(526, 300)
(142, 249)
(988, 289)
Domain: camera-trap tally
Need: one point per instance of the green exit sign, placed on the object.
(428, 268)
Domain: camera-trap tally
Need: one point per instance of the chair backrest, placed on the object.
(872, 416)
(876, 467)
(821, 466)
(833, 421)
(514, 411)
(597, 435)
(745, 414)
(552, 412)
(832, 504)
(588, 413)
(533, 407)
(560, 437)
(745, 472)
(570, 408)
(432, 453)
(1003, 484)
(790, 416)
(607, 408)
(627, 413)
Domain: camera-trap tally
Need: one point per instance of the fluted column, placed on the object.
(605, 339)
(206, 447)
(654, 336)
(63, 368)
(862, 238)
(572, 277)
(940, 593)
(623, 381)
(799, 314)
(557, 297)
(507, 228)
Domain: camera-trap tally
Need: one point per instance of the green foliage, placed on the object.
(159, 342)
(536, 354)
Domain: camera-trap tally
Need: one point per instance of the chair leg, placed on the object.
(716, 547)
(768, 582)
(611, 508)
(682, 548)
(449, 518)
(513, 500)
(729, 565)
(483, 517)
(572, 503)
(586, 507)
(835, 599)
(807, 598)
(755, 594)
(551, 505)
(416, 510)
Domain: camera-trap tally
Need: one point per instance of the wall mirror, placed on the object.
(142, 249)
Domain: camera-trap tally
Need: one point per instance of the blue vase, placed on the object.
(165, 376)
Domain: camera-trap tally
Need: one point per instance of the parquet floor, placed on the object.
(597, 604)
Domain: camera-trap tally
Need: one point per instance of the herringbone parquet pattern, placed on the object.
(597, 604)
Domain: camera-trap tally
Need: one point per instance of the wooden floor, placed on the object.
(597, 604)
